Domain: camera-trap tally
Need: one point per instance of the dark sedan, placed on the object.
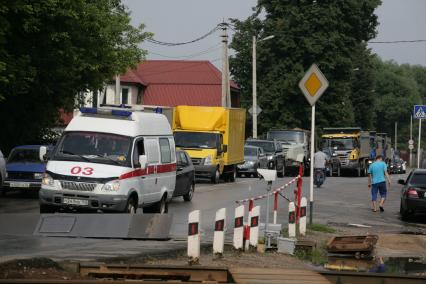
(185, 176)
(413, 194)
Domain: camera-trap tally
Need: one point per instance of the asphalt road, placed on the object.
(341, 201)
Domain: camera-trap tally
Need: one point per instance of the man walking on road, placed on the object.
(320, 160)
(377, 175)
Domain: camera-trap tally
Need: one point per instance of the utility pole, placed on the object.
(117, 90)
(396, 136)
(225, 68)
(411, 139)
(254, 90)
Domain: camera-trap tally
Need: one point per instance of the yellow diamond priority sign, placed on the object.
(313, 84)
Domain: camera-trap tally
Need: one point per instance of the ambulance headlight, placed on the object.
(112, 186)
(208, 160)
(47, 180)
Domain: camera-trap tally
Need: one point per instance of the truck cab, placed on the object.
(296, 146)
(213, 138)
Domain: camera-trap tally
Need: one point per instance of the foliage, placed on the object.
(317, 256)
(330, 33)
(320, 228)
(52, 49)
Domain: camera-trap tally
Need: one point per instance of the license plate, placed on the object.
(73, 201)
(19, 184)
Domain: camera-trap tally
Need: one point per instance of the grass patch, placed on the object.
(320, 228)
(317, 256)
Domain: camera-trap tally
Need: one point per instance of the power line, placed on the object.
(154, 41)
(399, 41)
(209, 50)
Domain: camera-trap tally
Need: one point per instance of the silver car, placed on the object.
(254, 158)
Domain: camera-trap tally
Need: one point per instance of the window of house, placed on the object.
(166, 154)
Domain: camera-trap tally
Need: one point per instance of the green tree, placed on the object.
(52, 49)
(331, 33)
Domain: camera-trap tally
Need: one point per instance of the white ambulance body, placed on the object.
(111, 160)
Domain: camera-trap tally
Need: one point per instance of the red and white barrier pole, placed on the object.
(219, 232)
(275, 206)
(194, 237)
(239, 227)
(247, 227)
(302, 221)
(291, 220)
(299, 193)
(254, 226)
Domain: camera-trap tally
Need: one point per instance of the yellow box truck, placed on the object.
(213, 137)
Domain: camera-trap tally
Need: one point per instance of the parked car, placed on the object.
(333, 164)
(24, 169)
(254, 158)
(185, 176)
(413, 193)
(274, 154)
(2, 171)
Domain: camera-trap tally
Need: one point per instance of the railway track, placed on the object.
(147, 274)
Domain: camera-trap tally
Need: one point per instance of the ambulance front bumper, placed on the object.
(83, 200)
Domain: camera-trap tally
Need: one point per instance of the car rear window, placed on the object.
(418, 179)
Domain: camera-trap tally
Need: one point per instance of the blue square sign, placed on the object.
(419, 111)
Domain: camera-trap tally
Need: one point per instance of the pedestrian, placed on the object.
(320, 161)
(377, 175)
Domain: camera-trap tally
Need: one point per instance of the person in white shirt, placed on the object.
(320, 160)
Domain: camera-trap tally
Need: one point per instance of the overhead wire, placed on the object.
(206, 51)
(154, 41)
(400, 41)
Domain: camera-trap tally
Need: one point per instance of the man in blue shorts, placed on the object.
(377, 175)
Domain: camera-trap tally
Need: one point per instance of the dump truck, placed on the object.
(213, 138)
(352, 146)
(296, 146)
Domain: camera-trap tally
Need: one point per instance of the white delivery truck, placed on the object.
(114, 160)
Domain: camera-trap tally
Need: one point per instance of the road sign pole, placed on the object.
(311, 180)
(418, 143)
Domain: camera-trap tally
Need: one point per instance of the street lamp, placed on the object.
(254, 107)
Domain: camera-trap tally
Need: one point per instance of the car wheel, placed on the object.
(233, 175)
(188, 196)
(45, 208)
(358, 171)
(403, 212)
(132, 206)
(160, 207)
(215, 178)
(282, 172)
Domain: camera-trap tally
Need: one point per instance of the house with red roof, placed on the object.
(171, 83)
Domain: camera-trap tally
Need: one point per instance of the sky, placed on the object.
(185, 20)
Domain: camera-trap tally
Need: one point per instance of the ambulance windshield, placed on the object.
(94, 147)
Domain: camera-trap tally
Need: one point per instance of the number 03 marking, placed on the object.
(85, 171)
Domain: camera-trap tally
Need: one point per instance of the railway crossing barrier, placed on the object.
(246, 234)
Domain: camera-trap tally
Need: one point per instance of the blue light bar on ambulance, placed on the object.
(115, 112)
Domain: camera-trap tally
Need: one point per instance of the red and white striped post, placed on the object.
(239, 227)
(219, 232)
(194, 237)
(254, 226)
(299, 192)
(247, 227)
(302, 221)
(275, 206)
(291, 220)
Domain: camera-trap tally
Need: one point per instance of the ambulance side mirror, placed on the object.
(143, 160)
(42, 153)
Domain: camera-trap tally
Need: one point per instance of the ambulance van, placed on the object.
(112, 160)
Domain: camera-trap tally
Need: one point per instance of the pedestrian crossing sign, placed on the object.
(419, 111)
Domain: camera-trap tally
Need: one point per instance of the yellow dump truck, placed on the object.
(213, 138)
(352, 146)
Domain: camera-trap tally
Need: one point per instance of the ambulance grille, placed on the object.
(80, 186)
